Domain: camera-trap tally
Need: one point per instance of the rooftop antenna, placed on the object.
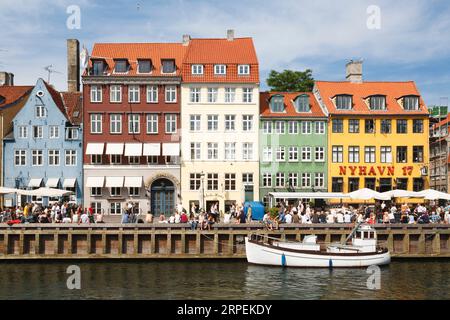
(50, 70)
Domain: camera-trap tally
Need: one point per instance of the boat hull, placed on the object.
(263, 254)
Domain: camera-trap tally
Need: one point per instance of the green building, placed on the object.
(293, 144)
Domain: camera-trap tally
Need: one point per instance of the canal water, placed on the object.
(189, 279)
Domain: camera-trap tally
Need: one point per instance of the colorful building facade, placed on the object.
(44, 147)
(220, 116)
(440, 155)
(377, 133)
(293, 143)
(132, 120)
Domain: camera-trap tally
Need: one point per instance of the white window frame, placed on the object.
(170, 94)
(319, 127)
(23, 132)
(230, 122)
(279, 127)
(196, 151)
(115, 121)
(293, 127)
(96, 120)
(230, 179)
(70, 157)
(40, 132)
(195, 95)
(214, 179)
(247, 122)
(306, 180)
(115, 208)
(20, 157)
(134, 91)
(306, 127)
(230, 150)
(293, 179)
(280, 180)
(36, 155)
(96, 94)
(243, 69)
(319, 180)
(171, 123)
(319, 154)
(96, 191)
(280, 154)
(115, 93)
(267, 154)
(230, 95)
(293, 154)
(40, 112)
(53, 132)
(134, 191)
(213, 94)
(247, 151)
(267, 179)
(152, 94)
(267, 127)
(306, 154)
(152, 123)
(54, 157)
(134, 123)
(247, 95)
(213, 150)
(197, 69)
(213, 119)
(220, 69)
(195, 122)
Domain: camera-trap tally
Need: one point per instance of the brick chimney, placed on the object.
(186, 39)
(73, 65)
(6, 79)
(354, 71)
(230, 34)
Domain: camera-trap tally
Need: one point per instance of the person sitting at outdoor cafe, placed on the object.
(183, 217)
(227, 217)
(347, 217)
(172, 219)
(330, 217)
(268, 222)
(84, 218)
(149, 217)
(372, 219)
(424, 218)
(162, 218)
(288, 218)
(404, 218)
(177, 217)
(435, 217)
(339, 217)
(193, 221)
(315, 217)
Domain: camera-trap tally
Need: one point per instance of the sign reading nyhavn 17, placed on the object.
(375, 170)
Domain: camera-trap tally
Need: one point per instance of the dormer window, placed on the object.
(302, 103)
(168, 66)
(377, 102)
(121, 66)
(220, 69)
(197, 69)
(243, 69)
(98, 68)
(144, 66)
(411, 103)
(344, 102)
(277, 103)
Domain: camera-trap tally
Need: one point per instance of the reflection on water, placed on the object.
(220, 280)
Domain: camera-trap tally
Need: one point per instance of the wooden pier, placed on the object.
(149, 241)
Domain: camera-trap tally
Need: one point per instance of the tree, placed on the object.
(289, 81)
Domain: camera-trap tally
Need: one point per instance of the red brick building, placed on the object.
(132, 126)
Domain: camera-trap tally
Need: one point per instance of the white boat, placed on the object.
(363, 251)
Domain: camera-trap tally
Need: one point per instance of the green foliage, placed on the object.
(273, 212)
(290, 81)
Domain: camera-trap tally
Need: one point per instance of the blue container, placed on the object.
(257, 209)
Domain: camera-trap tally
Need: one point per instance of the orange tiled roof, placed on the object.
(360, 91)
(135, 51)
(209, 52)
(73, 104)
(10, 94)
(290, 111)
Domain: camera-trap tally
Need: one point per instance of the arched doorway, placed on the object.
(162, 197)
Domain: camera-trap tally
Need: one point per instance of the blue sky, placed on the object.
(413, 42)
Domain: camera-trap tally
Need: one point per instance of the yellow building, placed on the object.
(378, 134)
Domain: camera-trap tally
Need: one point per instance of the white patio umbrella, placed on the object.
(45, 192)
(367, 194)
(6, 190)
(398, 193)
(431, 194)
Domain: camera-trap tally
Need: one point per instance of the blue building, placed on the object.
(44, 148)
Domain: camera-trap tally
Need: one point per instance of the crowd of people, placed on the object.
(380, 213)
(202, 219)
(55, 213)
(301, 213)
